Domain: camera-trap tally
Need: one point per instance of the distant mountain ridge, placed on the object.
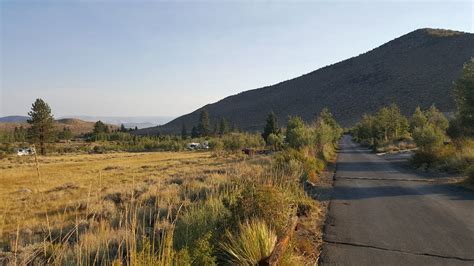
(127, 121)
(416, 69)
(13, 118)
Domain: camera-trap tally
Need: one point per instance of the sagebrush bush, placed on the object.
(455, 157)
(300, 163)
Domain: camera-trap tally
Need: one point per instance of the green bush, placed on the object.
(199, 228)
(428, 138)
(238, 141)
(275, 141)
(297, 134)
(299, 163)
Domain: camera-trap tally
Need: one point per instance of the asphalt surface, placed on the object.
(381, 214)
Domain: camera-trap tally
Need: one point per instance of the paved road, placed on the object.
(381, 214)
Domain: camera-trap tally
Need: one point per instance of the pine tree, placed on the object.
(122, 128)
(464, 97)
(41, 121)
(184, 133)
(194, 132)
(271, 127)
(203, 125)
(215, 129)
(223, 127)
(99, 127)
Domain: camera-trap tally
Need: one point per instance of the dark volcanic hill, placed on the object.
(416, 69)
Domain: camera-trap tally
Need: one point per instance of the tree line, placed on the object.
(437, 138)
(203, 127)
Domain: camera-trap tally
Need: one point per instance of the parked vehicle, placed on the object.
(198, 146)
(25, 151)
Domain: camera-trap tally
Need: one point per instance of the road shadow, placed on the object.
(382, 167)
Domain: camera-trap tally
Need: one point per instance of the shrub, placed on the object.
(237, 141)
(299, 163)
(275, 141)
(253, 243)
(198, 229)
(265, 202)
(470, 174)
(297, 135)
(423, 159)
(453, 157)
(428, 138)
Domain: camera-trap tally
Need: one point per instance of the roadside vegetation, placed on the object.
(101, 204)
(440, 144)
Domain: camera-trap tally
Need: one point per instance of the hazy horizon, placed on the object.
(167, 59)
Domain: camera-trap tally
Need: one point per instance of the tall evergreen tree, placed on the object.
(42, 122)
(223, 126)
(99, 127)
(271, 127)
(184, 132)
(204, 124)
(122, 128)
(194, 132)
(215, 130)
(464, 97)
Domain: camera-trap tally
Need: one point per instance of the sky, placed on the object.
(148, 58)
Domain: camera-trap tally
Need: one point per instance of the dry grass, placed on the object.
(158, 208)
(73, 184)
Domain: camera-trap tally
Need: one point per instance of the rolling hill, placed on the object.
(77, 126)
(416, 69)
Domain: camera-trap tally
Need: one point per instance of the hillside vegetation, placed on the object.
(416, 69)
(441, 144)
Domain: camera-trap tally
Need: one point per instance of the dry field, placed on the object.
(85, 209)
(68, 185)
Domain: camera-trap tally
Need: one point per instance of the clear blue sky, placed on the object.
(132, 58)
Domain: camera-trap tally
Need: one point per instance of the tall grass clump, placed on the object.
(253, 242)
(265, 202)
(198, 230)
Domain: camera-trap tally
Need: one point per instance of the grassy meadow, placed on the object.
(158, 208)
(66, 182)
